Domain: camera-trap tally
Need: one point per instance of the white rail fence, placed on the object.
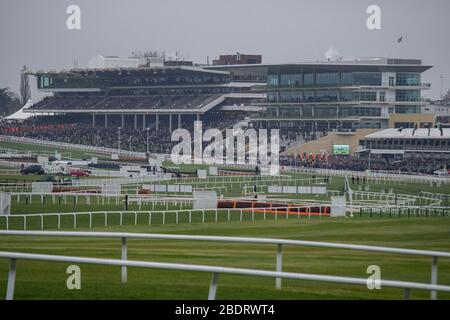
(373, 176)
(69, 146)
(163, 214)
(278, 274)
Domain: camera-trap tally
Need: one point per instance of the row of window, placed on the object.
(325, 112)
(325, 78)
(80, 81)
(341, 78)
(407, 79)
(321, 96)
(407, 95)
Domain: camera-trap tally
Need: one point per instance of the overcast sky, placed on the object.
(34, 32)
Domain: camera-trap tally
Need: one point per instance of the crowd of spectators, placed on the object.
(413, 163)
(71, 129)
(79, 130)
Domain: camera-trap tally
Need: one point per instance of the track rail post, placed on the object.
(124, 257)
(434, 276)
(213, 286)
(279, 265)
(11, 280)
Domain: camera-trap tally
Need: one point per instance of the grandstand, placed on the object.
(429, 140)
(151, 99)
(136, 106)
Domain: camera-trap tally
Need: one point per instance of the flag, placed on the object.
(400, 39)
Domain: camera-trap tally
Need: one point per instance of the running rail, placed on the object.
(215, 270)
(278, 242)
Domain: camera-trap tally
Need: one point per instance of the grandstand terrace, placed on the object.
(146, 93)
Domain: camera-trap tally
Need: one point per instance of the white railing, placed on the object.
(278, 274)
(70, 146)
(164, 213)
(374, 175)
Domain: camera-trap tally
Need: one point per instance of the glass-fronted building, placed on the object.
(339, 95)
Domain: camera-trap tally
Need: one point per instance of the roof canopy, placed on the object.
(422, 133)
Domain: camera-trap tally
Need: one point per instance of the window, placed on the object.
(309, 95)
(408, 79)
(326, 95)
(367, 78)
(347, 78)
(407, 95)
(364, 96)
(291, 79)
(326, 112)
(360, 111)
(407, 109)
(391, 81)
(272, 96)
(307, 111)
(290, 96)
(327, 78)
(346, 96)
(382, 96)
(272, 80)
(308, 79)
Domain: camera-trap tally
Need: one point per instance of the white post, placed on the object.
(406, 294)
(124, 257)
(279, 265)
(434, 275)
(213, 286)
(11, 280)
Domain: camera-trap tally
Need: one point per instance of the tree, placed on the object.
(9, 102)
(25, 93)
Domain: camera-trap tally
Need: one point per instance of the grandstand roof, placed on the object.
(422, 133)
(20, 114)
(166, 70)
(364, 64)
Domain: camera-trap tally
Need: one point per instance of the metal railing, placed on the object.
(69, 146)
(278, 242)
(215, 270)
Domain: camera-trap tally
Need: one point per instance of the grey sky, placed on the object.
(34, 32)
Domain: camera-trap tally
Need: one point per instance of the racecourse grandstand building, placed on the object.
(113, 95)
(307, 100)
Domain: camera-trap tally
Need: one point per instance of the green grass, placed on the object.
(44, 280)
